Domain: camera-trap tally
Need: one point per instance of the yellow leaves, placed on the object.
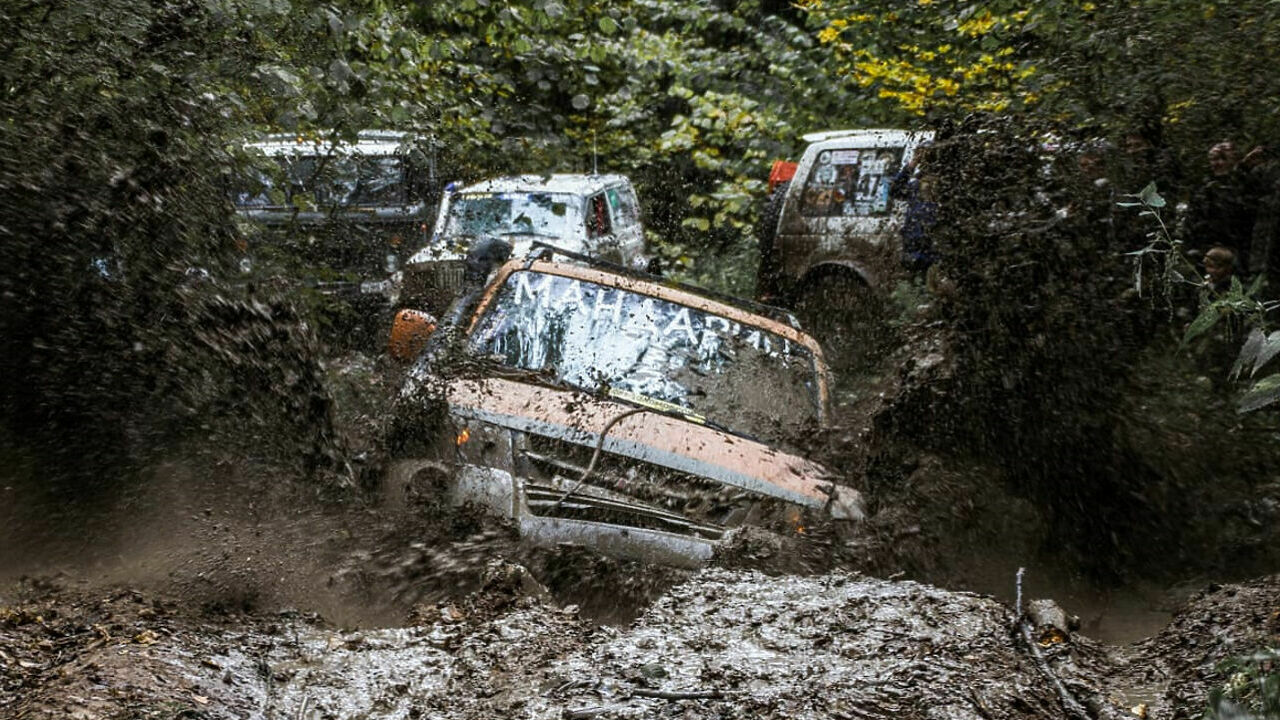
(979, 24)
(969, 73)
(1173, 115)
(833, 29)
(984, 22)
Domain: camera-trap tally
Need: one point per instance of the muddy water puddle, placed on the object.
(1115, 615)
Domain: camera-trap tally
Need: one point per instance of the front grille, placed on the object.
(432, 285)
(549, 501)
(679, 497)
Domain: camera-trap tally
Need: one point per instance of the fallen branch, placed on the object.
(1069, 702)
(678, 694)
(589, 712)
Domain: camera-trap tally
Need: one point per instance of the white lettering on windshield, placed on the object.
(525, 287)
(681, 322)
(572, 296)
(647, 314)
(712, 337)
(645, 320)
(615, 308)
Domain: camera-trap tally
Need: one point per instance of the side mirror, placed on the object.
(409, 334)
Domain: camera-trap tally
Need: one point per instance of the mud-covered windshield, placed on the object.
(652, 352)
(547, 214)
(310, 182)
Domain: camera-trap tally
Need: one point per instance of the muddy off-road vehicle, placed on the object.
(337, 216)
(829, 231)
(604, 407)
(596, 215)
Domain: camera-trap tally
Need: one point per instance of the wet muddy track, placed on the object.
(723, 644)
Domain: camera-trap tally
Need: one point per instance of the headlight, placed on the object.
(484, 445)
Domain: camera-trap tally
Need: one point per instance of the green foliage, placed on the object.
(1258, 349)
(1252, 690)
(1235, 307)
(691, 100)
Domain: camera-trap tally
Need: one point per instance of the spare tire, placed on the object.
(769, 273)
(484, 257)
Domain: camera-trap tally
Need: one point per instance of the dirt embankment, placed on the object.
(723, 644)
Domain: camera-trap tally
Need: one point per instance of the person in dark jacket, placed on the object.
(915, 190)
(1224, 210)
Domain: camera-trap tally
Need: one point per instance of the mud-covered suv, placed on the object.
(596, 215)
(610, 409)
(337, 215)
(829, 232)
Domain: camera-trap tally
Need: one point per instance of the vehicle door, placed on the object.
(626, 222)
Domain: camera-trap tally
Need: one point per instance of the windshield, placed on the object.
(652, 352)
(548, 214)
(311, 182)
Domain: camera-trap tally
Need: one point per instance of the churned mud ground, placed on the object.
(725, 643)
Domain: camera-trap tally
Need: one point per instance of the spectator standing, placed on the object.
(1264, 246)
(916, 191)
(1219, 267)
(1224, 210)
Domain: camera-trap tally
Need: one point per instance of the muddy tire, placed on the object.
(769, 272)
(846, 316)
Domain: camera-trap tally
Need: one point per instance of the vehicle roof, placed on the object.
(867, 137)
(573, 184)
(682, 295)
(369, 142)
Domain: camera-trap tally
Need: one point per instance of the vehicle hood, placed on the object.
(648, 436)
(521, 245)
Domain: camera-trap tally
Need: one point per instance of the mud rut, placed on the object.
(724, 644)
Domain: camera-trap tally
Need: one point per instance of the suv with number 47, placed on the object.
(829, 232)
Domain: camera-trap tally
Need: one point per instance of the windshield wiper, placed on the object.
(532, 233)
(669, 409)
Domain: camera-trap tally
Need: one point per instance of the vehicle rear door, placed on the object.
(843, 196)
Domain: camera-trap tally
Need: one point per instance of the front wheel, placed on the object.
(846, 316)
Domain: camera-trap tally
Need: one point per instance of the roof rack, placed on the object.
(543, 251)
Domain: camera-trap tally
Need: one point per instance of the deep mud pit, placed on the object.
(724, 644)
